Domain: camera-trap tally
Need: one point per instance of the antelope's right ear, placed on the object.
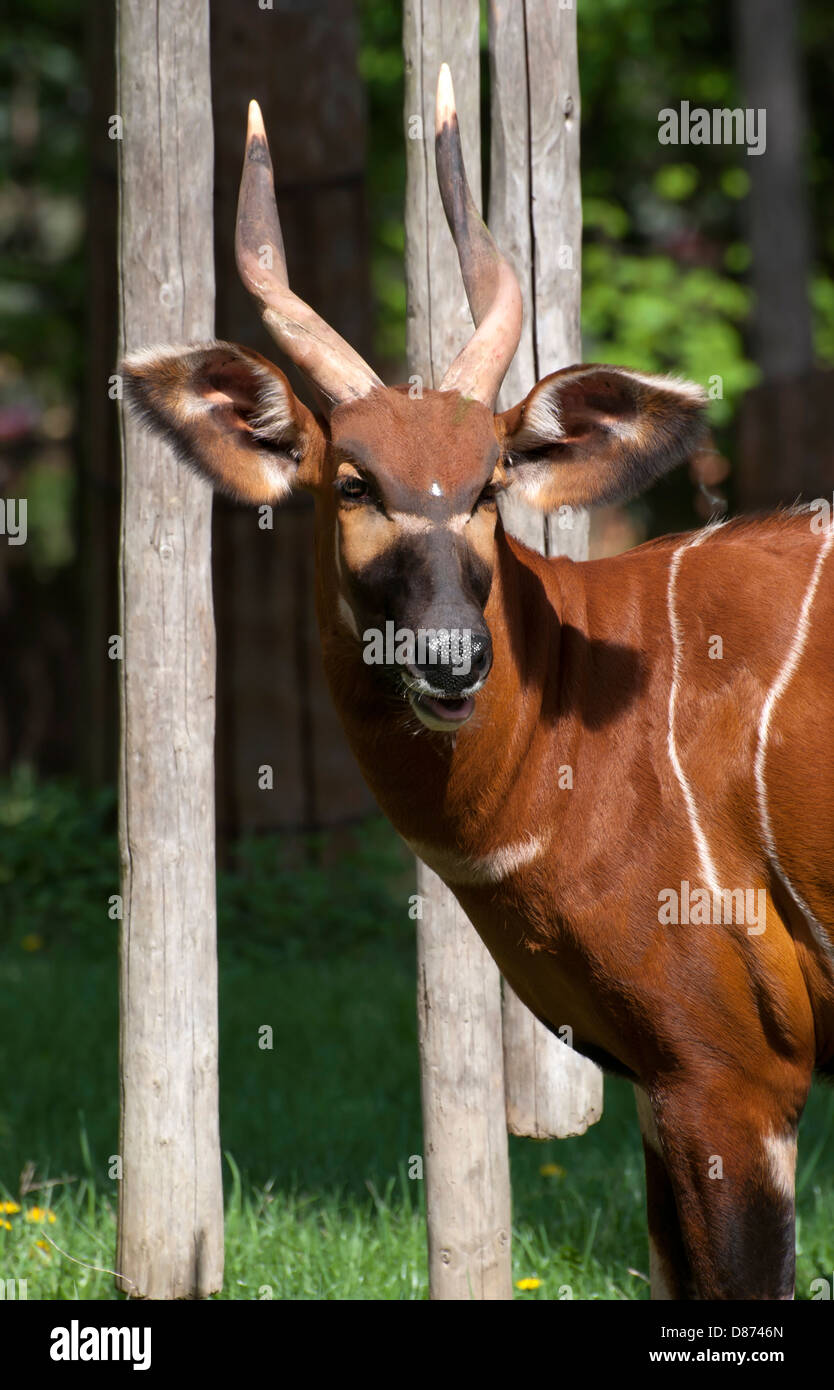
(228, 413)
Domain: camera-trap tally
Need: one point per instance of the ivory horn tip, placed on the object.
(445, 112)
(255, 124)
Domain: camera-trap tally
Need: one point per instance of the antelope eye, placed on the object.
(487, 495)
(352, 487)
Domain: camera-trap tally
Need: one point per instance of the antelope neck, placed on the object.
(438, 787)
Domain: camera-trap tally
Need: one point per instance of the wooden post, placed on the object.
(459, 992)
(769, 57)
(273, 704)
(98, 482)
(535, 216)
(170, 1198)
(786, 422)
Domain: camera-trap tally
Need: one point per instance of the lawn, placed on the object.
(318, 1132)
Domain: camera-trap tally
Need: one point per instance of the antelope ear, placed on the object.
(598, 434)
(228, 413)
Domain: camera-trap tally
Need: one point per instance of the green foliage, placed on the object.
(58, 866)
(381, 66)
(646, 312)
(61, 899)
(44, 159)
(676, 182)
(305, 909)
(822, 297)
(44, 155)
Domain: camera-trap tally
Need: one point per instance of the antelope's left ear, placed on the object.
(599, 434)
(228, 413)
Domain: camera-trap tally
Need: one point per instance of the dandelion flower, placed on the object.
(40, 1214)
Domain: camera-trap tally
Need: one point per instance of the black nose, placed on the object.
(481, 655)
(453, 660)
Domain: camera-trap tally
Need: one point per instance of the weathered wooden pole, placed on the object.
(785, 422)
(273, 705)
(535, 215)
(170, 1242)
(459, 989)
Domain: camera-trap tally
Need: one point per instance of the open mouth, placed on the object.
(442, 712)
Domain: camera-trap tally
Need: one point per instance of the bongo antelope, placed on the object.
(640, 827)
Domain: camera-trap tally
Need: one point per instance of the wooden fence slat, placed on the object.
(535, 214)
(459, 992)
(464, 1129)
(170, 1242)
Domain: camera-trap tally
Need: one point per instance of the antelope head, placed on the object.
(406, 488)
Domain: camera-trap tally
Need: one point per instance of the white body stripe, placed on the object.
(777, 690)
(780, 1154)
(707, 865)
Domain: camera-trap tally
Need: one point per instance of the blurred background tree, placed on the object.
(666, 269)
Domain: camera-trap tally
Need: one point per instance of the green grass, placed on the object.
(319, 1131)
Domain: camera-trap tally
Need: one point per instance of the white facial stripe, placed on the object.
(490, 868)
(777, 690)
(421, 525)
(707, 866)
(412, 522)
